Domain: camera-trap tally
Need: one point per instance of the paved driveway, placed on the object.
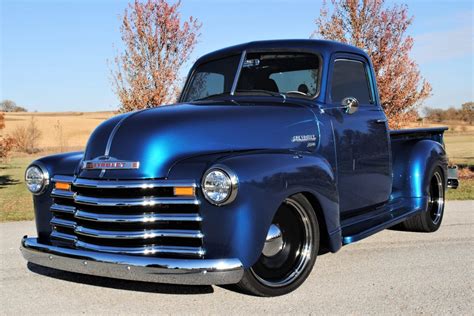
(391, 272)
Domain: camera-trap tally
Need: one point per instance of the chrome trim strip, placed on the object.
(143, 234)
(145, 250)
(142, 218)
(63, 208)
(142, 184)
(237, 74)
(138, 268)
(112, 134)
(62, 194)
(63, 223)
(81, 199)
(57, 235)
(61, 178)
(109, 164)
(118, 218)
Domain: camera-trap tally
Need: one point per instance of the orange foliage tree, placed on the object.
(6, 143)
(156, 45)
(381, 33)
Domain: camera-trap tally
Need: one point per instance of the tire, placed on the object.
(287, 260)
(430, 220)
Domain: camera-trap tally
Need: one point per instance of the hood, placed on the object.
(159, 137)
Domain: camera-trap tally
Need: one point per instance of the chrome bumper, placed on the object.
(138, 268)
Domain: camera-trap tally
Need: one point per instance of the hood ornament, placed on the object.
(109, 163)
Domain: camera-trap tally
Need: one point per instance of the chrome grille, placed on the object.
(127, 217)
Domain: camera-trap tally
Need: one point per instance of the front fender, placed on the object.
(63, 164)
(238, 230)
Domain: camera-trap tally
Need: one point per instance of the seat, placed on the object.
(268, 85)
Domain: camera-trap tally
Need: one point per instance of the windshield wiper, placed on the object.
(272, 93)
(212, 96)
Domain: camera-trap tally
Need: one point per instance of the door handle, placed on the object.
(381, 121)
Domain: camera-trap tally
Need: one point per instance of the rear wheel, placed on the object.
(289, 252)
(430, 220)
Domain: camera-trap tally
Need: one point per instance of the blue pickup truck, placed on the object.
(276, 152)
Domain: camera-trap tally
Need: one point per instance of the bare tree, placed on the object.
(26, 137)
(10, 106)
(467, 111)
(6, 143)
(59, 135)
(157, 44)
(381, 32)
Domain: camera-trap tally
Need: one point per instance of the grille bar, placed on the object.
(63, 223)
(63, 208)
(144, 234)
(62, 194)
(148, 250)
(143, 218)
(152, 201)
(129, 184)
(119, 218)
(143, 250)
(62, 236)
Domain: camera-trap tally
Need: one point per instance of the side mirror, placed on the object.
(350, 104)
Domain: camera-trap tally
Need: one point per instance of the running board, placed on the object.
(365, 225)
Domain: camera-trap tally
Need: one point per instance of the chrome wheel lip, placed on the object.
(304, 254)
(435, 215)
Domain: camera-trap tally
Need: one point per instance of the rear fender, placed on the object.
(413, 163)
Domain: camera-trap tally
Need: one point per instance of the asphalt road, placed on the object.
(389, 273)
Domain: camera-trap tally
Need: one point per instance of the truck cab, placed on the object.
(276, 151)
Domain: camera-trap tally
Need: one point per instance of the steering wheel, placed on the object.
(296, 92)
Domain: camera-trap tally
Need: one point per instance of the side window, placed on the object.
(350, 79)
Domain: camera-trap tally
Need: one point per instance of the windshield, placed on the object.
(291, 74)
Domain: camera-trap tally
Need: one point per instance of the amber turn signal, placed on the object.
(62, 186)
(184, 191)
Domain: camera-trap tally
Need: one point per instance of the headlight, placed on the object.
(36, 179)
(220, 185)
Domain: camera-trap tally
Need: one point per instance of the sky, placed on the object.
(54, 54)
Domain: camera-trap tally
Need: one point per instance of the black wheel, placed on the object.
(289, 253)
(430, 220)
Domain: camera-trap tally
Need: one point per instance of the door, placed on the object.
(361, 135)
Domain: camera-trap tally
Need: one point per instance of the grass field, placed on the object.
(16, 201)
(460, 147)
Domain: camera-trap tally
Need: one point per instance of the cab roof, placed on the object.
(321, 47)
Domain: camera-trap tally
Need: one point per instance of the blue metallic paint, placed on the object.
(252, 136)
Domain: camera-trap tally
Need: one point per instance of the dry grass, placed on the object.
(76, 126)
(459, 140)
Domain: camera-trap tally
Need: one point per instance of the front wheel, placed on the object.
(289, 253)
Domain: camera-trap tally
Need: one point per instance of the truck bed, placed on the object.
(434, 133)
